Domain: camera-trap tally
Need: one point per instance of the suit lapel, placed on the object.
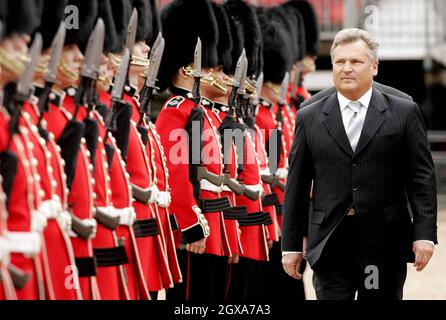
(333, 122)
(374, 119)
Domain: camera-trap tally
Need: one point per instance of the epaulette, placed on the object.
(175, 102)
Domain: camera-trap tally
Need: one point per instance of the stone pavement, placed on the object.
(430, 284)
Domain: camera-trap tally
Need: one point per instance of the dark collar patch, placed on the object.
(175, 102)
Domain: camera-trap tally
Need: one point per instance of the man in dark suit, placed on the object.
(368, 157)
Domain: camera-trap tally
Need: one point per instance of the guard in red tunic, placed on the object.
(161, 197)
(25, 224)
(7, 291)
(196, 174)
(154, 261)
(274, 119)
(247, 280)
(59, 257)
(65, 120)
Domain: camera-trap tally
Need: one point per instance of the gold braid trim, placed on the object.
(210, 79)
(13, 66)
(67, 71)
(273, 86)
(137, 61)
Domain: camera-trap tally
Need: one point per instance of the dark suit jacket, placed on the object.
(376, 85)
(391, 168)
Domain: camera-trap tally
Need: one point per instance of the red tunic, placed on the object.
(153, 257)
(58, 249)
(171, 124)
(122, 199)
(160, 177)
(21, 210)
(81, 195)
(7, 291)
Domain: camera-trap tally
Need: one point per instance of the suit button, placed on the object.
(354, 164)
(355, 189)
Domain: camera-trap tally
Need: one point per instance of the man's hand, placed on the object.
(423, 253)
(291, 264)
(197, 246)
(233, 259)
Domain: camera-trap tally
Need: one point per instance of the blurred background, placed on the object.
(412, 37)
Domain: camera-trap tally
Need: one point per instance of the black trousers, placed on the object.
(278, 286)
(245, 281)
(204, 278)
(345, 270)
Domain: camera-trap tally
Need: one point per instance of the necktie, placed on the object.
(355, 124)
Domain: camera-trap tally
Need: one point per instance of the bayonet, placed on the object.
(157, 42)
(151, 74)
(284, 88)
(131, 31)
(121, 75)
(56, 51)
(155, 62)
(24, 86)
(93, 53)
(239, 70)
(259, 85)
(50, 77)
(241, 89)
(197, 59)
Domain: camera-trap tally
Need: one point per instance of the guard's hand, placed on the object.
(423, 253)
(197, 246)
(270, 244)
(291, 264)
(233, 259)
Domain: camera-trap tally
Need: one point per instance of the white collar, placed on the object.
(364, 100)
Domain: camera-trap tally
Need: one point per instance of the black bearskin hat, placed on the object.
(51, 17)
(183, 21)
(237, 45)
(20, 16)
(156, 22)
(144, 30)
(246, 15)
(311, 26)
(277, 57)
(289, 21)
(105, 12)
(121, 11)
(225, 44)
(88, 11)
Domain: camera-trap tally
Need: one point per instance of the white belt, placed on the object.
(154, 194)
(51, 208)
(64, 219)
(226, 188)
(38, 221)
(265, 172)
(255, 188)
(206, 185)
(27, 243)
(4, 250)
(127, 216)
(281, 173)
(163, 199)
